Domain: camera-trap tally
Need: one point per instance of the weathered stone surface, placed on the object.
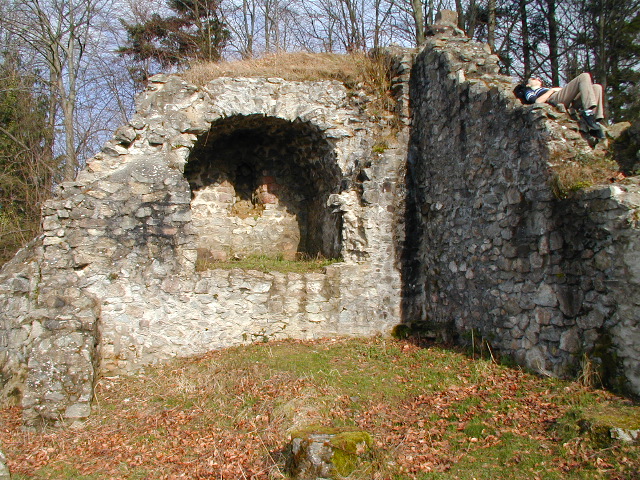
(453, 227)
(4, 470)
(541, 273)
(626, 146)
(327, 452)
(604, 426)
(624, 435)
(238, 167)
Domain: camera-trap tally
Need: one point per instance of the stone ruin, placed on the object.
(454, 229)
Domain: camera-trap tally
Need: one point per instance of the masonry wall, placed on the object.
(498, 256)
(260, 186)
(471, 241)
(111, 285)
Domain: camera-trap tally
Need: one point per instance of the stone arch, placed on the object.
(259, 185)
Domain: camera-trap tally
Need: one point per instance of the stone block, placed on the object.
(570, 299)
(545, 296)
(4, 470)
(77, 411)
(321, 452)
(570, 341)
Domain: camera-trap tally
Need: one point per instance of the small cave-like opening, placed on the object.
(259, 186)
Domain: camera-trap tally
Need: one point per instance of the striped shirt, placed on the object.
(533, 93)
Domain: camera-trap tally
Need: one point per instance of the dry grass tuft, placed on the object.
(355, 70)
(583, 172)
(297, 66)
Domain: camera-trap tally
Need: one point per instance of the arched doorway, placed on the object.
(259, 185)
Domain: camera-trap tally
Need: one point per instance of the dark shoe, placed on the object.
(595, 130)
(598, 132)
(590, 119)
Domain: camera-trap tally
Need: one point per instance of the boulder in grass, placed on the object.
(602, 425)
(322, 452)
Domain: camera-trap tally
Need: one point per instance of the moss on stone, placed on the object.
(597, 422)
(354, 442)
(627, 418)
(349, 446)
(401, 331)
(348, 449)
(315, 430)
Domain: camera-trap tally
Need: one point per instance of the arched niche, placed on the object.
(259, 185)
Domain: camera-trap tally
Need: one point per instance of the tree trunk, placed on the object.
(461, 15)
(553, 42)
(472, 19)
(526, 47)
(267, 26)
(354, 42)
(602, 66)
(491, 26)
(418, 19)
(430, 12)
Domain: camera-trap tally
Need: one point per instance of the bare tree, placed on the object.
(418, 17)
(242, 20)
(58, 31)
(553, 41)
(526, 46)
(491, 26)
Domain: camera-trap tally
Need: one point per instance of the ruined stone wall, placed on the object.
(111, 284)
(498, 256)
(254, 191)
(471, 241)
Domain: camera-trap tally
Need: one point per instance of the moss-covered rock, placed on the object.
(327, 452)
(602, 424)
(349, 448)
(606, 424)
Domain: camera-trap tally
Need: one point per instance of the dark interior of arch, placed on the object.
(259, 185)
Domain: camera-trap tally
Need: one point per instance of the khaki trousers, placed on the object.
(583, 89)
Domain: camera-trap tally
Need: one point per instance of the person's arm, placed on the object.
(545, 96)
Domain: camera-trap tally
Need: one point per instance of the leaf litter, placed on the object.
(433, 413)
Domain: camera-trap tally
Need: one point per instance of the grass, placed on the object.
(432, 414)
(356, 71)
(297, 66)
(266, 264)
(583, 172)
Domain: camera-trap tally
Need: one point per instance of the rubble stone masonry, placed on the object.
(453, 228)
(498, 256)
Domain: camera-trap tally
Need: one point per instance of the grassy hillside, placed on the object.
(433, 413)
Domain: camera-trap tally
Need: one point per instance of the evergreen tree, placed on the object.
(623, 75)
(194, 32)
(610, 37)
(26, 166)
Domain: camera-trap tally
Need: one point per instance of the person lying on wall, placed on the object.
(580, 93)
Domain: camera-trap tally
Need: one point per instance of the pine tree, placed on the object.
(26, 166)
(194, 32)
(611, 38)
